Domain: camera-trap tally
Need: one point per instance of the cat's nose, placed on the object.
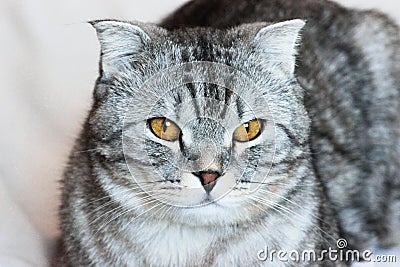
(208, 179)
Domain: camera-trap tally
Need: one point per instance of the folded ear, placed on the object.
(277, 45)
(119, 42)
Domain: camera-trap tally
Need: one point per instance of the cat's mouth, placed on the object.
(209, 200)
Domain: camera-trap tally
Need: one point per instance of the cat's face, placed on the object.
(209, 120)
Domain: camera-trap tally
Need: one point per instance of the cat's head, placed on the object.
(200, 124)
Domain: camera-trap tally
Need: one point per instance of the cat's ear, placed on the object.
(277, 44)
(118, 41)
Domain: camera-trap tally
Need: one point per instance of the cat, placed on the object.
(235, 126)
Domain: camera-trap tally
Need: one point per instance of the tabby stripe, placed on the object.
(291, 136)
(228, 96)
(192, 91)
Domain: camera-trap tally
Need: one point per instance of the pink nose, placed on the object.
(207, 179)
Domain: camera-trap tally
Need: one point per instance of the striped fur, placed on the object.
(329, 146)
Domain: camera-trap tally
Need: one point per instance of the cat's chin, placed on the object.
(214, 214)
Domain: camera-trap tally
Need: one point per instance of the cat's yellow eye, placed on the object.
(164, 129)
(247, 131)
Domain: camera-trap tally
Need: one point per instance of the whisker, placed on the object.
(144, 212)
(166, 210)
(117, 208)
(288, 200)
(109, 196)
(288, 217)
(276, 183)
(287, 210)
(125, 212)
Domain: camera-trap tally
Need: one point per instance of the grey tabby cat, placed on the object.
(163, 173)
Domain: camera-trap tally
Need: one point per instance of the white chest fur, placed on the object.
(166, 244)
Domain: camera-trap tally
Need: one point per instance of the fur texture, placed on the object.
(348, 65)
(336, 123)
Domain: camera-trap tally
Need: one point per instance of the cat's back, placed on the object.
(327, 21)
(228, 13)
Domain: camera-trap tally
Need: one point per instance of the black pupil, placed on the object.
(164, 127)
(246, 125)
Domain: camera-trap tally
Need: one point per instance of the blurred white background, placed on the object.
(48, 66)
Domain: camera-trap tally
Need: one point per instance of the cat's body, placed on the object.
(347, 65)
